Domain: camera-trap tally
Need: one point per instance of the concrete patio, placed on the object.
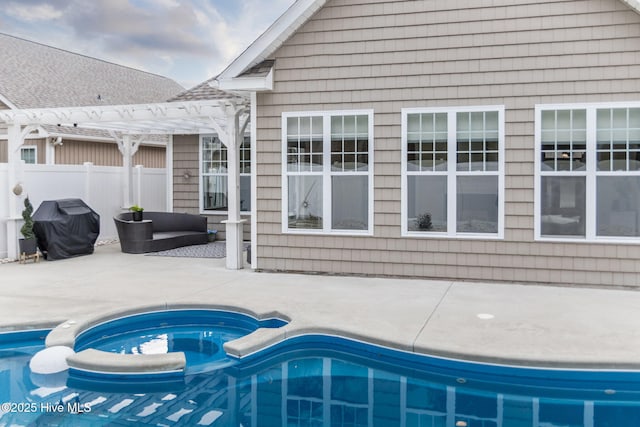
(520, 324)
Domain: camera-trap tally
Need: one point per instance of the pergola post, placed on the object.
(127, 147)
(232, 138)
(16, 139)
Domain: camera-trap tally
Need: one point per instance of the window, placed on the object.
(588, 172)
(453, 173)
(214, 187)
(29, 153)
(328, 172)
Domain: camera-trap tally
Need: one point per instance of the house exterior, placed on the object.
(33, 75)
(481, 140)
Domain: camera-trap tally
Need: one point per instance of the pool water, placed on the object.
(199, 334)
(325, 381)
(201, 347)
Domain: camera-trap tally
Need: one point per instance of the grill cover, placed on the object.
(65, 228)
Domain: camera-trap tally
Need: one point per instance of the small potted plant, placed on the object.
(137, 212)
(28, 245)
(423, 222)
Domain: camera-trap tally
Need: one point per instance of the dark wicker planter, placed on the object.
(137, 215)
(28, 246)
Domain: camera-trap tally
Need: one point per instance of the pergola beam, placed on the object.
(134, 118)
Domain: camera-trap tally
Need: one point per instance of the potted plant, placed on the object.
(28, 245)
(423, 222)
(137, 212)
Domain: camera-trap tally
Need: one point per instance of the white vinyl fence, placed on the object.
(101, 187)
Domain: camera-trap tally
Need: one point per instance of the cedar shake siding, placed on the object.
(186, 192)
(389, 55)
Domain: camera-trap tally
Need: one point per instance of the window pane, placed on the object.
(292, 126)
(350, 202)
(304, 150)
(363, 125)
(618, 208)
(427, 199)
(477, 204)
(563, 140)
(563, 206)
(214, 155)
(28, 155)
(305, 202)
(336, 125)
(245, 193)
(473, 147)
(214, 192)
(491, 120)
(413, 122)
(350, 125)
(305, 126)
(317, 126)
(245, 156)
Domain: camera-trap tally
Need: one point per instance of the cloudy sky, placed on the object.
(186, 40)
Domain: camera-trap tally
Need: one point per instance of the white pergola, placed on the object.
(129, 125)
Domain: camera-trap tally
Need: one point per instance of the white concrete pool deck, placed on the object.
(531, 325)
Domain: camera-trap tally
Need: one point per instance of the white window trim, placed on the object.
(452, 170)
(326, 173)
(30, 147)
(591, 174)
(201, 208)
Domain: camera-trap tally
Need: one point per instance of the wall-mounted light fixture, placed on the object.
(186, 175)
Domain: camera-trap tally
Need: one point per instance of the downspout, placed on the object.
(169, 172)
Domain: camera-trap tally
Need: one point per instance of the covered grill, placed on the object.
(66, 228)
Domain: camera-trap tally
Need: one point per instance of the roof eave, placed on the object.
(633, 4)
(279, 32)
(7, 102)
(248, 84)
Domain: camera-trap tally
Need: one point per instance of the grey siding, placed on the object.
(106, 154)
(99, 153)
(388, 55)
(186, 192)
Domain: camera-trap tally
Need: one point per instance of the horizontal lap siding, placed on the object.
(73, 152)
(4, 155)
(389, 55)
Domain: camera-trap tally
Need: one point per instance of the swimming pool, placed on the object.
(320, 380)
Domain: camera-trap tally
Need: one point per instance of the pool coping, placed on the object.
(262, 339)
(534, 325)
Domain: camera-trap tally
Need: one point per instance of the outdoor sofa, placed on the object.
(160, 231)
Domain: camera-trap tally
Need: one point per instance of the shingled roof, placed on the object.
(33, 75)
(203, 91)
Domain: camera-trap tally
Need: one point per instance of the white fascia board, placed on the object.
(633, 4)
(273, 38)
(248, 84)
(6, 102)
